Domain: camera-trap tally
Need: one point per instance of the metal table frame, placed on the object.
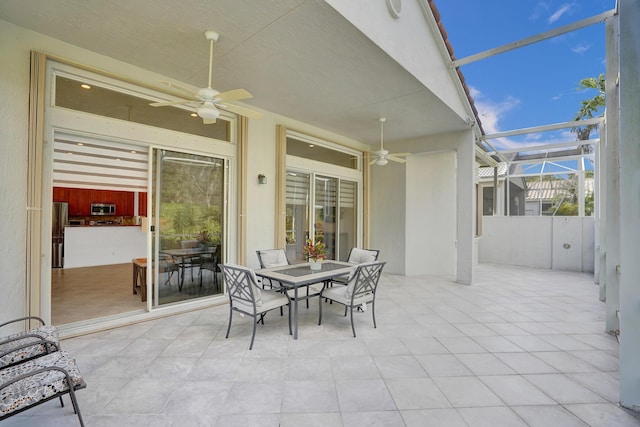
(297, 276)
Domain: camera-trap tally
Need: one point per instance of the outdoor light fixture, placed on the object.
(262, 179)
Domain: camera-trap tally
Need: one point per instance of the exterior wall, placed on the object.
(538, 242)
(16, 43)
(14, 112)
(403, 199)
(431, 229)
(388, 207)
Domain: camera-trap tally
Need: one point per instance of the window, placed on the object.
(88, 96)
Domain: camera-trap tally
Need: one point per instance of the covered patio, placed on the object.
(522, 347)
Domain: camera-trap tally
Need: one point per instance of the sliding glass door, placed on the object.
(323, 207)
(188, 202)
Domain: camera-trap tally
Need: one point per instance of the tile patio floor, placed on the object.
(521, 347)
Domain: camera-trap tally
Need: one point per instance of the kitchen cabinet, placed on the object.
(142, 204)
(60, 194)
(80, 199)
(84, 199)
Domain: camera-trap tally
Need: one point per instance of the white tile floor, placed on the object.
(521, 347)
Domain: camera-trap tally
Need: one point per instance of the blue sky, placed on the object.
(533, 85)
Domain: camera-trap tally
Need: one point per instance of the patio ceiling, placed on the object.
(299, 58)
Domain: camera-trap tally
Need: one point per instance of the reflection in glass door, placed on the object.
(188, 237)
(347, 218)
(324, 226)
(297, 221)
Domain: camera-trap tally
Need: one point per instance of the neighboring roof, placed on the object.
(549, 190)
(487, 172)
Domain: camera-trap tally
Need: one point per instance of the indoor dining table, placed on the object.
(298, 276)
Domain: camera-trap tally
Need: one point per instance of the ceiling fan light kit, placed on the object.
(207, 101)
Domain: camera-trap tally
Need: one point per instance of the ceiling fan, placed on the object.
(207, 101)
(383, 156)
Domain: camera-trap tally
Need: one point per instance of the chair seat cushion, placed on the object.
(269, 301)
(47, 332)
(340, 294)
(41, 386)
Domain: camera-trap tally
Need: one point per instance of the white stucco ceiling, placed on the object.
(299, 58)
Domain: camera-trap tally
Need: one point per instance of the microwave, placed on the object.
(103, 209)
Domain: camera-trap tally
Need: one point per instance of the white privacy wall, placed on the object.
(431, 224)
(560, 243)
(387, 215)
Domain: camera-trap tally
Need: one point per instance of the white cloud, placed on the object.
(558, 13)
(581, 48)
(490, 113)
(540, 9)
(533, 137)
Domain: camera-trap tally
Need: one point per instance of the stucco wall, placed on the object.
(561, 243)
(387, 224)
(423, 211)
(14, 110)
(431, 229)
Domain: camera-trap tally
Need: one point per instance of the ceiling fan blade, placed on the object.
(396, 159)
(179, 87)
(164, 104)
(233, 95)
(208, 121)
(241, 110)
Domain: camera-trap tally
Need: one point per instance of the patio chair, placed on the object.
(277, 257)
(26, 345)
(357, 256)
(35, 381)
(360, 290)
(246, 297)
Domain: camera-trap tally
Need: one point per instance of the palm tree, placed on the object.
(590, 108)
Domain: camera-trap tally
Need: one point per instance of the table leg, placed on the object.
(135, 277)
(295, 313)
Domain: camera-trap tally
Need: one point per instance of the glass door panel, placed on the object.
(326, 198)
(188, 233)
(347, 218)
(297, 219)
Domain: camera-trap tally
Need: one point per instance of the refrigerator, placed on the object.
(59, 219)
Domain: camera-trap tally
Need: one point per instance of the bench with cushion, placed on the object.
(14, 348)
(35, 381)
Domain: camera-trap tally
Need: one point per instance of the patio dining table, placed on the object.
(298, 276)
